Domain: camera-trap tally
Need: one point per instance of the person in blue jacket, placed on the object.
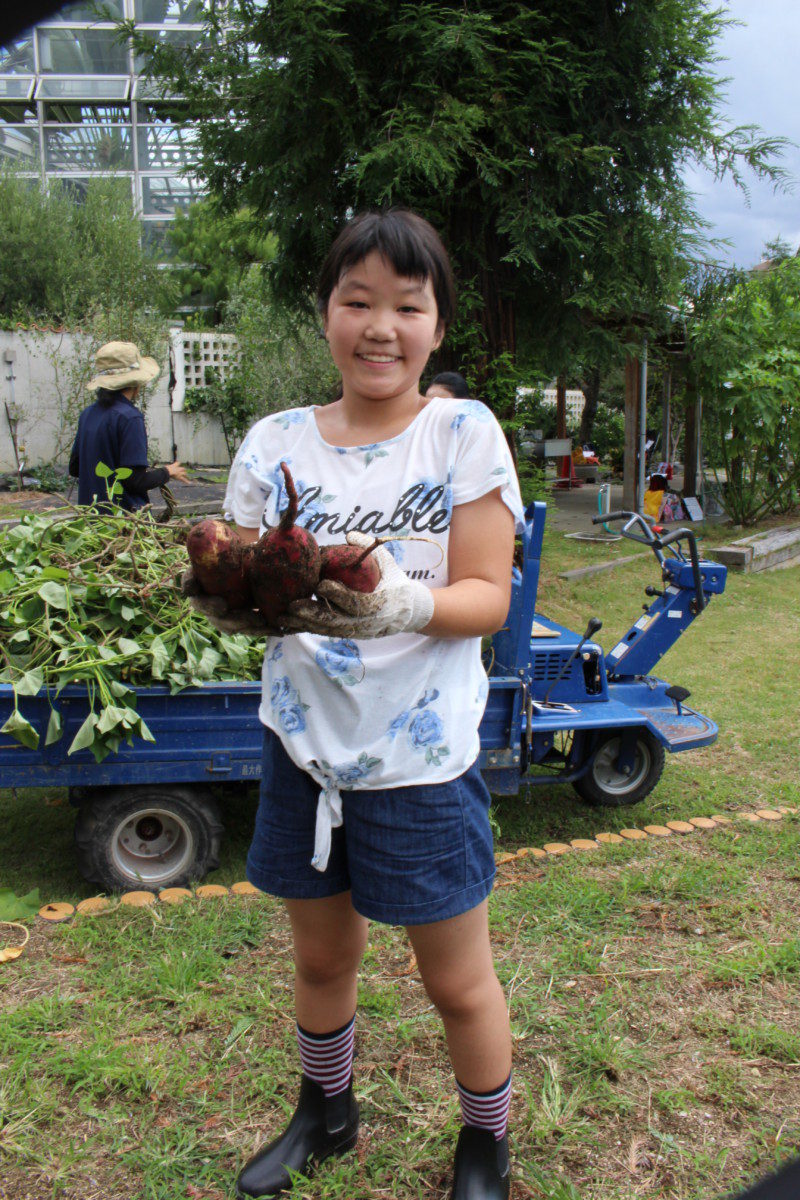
(112, 431)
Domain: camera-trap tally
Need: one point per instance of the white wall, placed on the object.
(49, 391)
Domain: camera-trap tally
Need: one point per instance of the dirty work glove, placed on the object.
(228, 620)
(398, 604)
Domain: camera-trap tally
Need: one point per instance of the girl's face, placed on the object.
(381, 328)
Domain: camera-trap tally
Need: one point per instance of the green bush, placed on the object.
(66, 260)
(284, 362)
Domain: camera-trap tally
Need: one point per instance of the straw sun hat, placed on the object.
(120, 365)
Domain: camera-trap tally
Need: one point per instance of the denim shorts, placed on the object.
(409, 855)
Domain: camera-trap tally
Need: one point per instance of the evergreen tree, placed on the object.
(545, 141)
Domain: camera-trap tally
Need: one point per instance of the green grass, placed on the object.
(155, 1048)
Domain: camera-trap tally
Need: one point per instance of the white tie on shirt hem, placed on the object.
(329, 817)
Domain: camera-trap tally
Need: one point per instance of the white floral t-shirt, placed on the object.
(383, 712)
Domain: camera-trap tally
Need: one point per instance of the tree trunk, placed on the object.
(666, 402)
(480, 259)
(690, 440)
(631, 440)
(561, 407)
(591, 390)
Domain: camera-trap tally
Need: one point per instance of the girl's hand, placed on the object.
(228, 620)
(398, 604)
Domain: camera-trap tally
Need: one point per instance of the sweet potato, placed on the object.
(351, 566)
(218, 556)
(284, 564)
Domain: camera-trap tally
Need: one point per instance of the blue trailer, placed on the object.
(559, 710)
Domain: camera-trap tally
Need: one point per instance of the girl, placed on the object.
(372, 806)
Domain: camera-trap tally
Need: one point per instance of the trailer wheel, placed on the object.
(605, 784)
(148, 837)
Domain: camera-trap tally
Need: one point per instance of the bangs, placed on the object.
(403, 239)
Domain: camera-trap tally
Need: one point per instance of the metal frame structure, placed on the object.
(75, 106)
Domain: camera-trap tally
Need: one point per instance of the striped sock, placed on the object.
(327, 1058)
(486, 1110)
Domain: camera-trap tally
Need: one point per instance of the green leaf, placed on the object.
(127, 612)
(209, 660)
(161, 657)
(111, 716)
(143, 730)
(55, 727)
(30, 682)
(7, 581)
(103, 471)
(18, 908)
(123, 472)
(21, 730)
(53, 594)
(85, 735)
(128, 646)
(54, 573)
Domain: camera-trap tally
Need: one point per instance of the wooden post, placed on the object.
(690, 443)
(666, 401)
(631, 415)
(561, 407)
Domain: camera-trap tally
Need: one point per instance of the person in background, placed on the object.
(112, 431)
(449, 386)
(653, 499)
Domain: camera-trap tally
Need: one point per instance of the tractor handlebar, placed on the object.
(658, 542)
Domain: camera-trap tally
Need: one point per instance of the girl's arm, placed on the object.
(476, 600)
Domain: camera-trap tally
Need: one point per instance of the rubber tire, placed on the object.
(644, 778)
(100, 819)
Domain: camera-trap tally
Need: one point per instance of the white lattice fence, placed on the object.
(195, 356)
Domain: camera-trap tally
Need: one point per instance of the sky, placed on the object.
(763, 89)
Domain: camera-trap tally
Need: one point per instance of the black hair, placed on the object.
(454, 383)
(106, 395)
(406, 240)
(658, 483)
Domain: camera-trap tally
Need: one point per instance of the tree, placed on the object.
(283, 362)
(67, 260)
(213, 251)
(743, 358)
(546, 142)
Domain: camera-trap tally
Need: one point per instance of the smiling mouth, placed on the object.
(378, 358)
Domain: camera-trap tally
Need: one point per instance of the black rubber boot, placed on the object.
(482, 1170)
(318, 1129)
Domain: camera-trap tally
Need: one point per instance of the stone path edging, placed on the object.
(97, 905)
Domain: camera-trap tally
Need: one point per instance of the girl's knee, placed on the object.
(322, 964)
(461, 1000)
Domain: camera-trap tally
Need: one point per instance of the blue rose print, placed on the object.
(347, 774)
(372, 452)
(424, 732)
(397, 724)
(444, 488)
(308, 509)
(425, 728)
(340, 660)
(288, 705)
(282, 691)
(293, 416)
(470, 408)
(276, 652)
(293, 718)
